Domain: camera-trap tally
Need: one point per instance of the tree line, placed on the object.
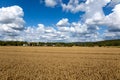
(61, 44)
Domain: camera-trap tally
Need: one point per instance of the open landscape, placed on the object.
(59, 63)
(60, 40)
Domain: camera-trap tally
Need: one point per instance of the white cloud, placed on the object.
(113, 22)
(111, 35)
(73, 33)
(73, 6)
(76, 6)
(113, 3)
(42, 33)
(11, 21)
(94, 16)
(50, 3)
(78, 28)
(63, 23)
(113, 19)
(89, 29)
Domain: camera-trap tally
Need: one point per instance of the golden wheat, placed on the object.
(59, 63)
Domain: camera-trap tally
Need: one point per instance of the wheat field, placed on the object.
(59, 63)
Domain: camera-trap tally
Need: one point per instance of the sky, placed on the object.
(59, 20)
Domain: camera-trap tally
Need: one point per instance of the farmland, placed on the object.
(59, 63)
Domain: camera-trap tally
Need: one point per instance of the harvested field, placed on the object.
(59, 63)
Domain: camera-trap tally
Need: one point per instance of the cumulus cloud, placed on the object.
(41, 33)
(94, 16)
(73, 6)
(73, 32)
(113, 3)
(11, 21)
(63, 23)
(111, 35)
(88, 29)
(50, 3)
(93, 11)
(113, 19)
(65, 26)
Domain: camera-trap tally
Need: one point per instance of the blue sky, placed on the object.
(36, 12)
(59, 20)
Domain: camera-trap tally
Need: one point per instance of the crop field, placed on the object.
(59, 63)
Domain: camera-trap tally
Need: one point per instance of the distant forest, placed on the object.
(61, 44)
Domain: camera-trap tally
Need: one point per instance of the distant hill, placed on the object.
(109, 42)
(99, 43)
(61, 44)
